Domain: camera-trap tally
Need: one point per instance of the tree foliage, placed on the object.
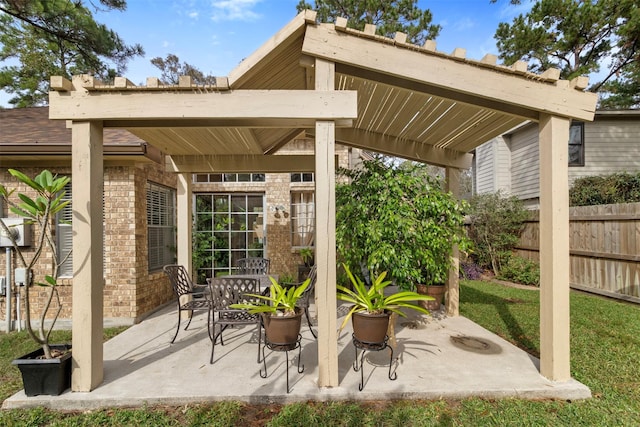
(397, 218)
(56, 37)
(606, 189)
(389, 16)
(172, 69)
(496, 222)
(579, 37)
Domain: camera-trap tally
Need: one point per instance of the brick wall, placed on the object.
(130, 290)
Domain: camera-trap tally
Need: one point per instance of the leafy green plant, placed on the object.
(495, 224)
(280, 301)
(521, 270)
(307, 256)
(397, 218)
(372, 299)
(40, 211)
(605, 189)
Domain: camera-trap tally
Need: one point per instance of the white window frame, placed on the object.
(161, 225)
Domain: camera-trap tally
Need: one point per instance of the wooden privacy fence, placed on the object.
(604, 246)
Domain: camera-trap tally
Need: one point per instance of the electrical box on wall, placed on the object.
(19, 228)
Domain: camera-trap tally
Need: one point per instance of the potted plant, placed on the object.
(396, 217)
(371, 307)
(281, 316)
(48, 369)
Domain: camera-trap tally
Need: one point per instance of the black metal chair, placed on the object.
(305, 299)
(190, 297)
(253, 265)
(227, 290)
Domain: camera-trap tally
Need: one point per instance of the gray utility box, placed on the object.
(19, 228)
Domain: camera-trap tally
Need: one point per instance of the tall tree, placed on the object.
(579, 37)
(40, 38)
(389, 16)
(172, 69)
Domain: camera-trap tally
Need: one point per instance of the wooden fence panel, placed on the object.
(604, 243)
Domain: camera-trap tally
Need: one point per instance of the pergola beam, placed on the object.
(455, 77)
(241, 163)
(406, 149)
(291, 105)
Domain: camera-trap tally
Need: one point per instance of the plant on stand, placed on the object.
(397, 218)
(41, 212)
(281, 316)
(371, 303)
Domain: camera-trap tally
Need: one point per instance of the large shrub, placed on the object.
(606, 189)
(495, 224)
(397, 218)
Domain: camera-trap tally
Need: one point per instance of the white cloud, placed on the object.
(234, 10)
(194, 15)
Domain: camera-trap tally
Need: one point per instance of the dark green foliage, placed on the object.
(397, 218)
(389, 16)
(495, 224)
(520, 270)
(56, 37)
(172, 69)
(606, 189)
(598, 38)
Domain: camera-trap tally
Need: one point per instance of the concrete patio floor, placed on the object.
(437, 358)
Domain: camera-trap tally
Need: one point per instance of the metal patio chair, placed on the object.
(190, 297)
(253, 265)
(305, 299)
(227, 290)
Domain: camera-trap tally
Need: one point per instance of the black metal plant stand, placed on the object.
(286, 348)
(367, 346)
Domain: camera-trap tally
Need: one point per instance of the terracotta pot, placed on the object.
(370, 328)
(282, 330)
(436, 291)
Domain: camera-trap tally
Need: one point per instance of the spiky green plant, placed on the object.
(372, 299)
(280, 299)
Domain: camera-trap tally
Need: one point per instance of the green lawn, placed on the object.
(605, 356)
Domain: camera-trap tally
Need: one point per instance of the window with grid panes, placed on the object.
(302, 218)
(161, 223)
(576, 144)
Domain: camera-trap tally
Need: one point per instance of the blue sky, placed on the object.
(215, 35)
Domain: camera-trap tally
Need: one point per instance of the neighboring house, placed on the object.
(609, 144)
(236, 215)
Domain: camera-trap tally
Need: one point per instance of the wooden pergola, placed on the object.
(340, 86)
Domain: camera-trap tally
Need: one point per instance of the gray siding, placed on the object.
(610, 146)
(525, 163)
(484, 168)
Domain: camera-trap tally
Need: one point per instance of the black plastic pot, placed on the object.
(45, 376)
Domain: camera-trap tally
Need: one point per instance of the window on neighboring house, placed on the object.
(64, 236)
(302, 218)
(576, 144)
(161, 224)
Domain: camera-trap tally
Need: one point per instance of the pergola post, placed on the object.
(325, 179)
(452, 303)
(554, 248)
(184, 220)
(184, 225)
(88, 278)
